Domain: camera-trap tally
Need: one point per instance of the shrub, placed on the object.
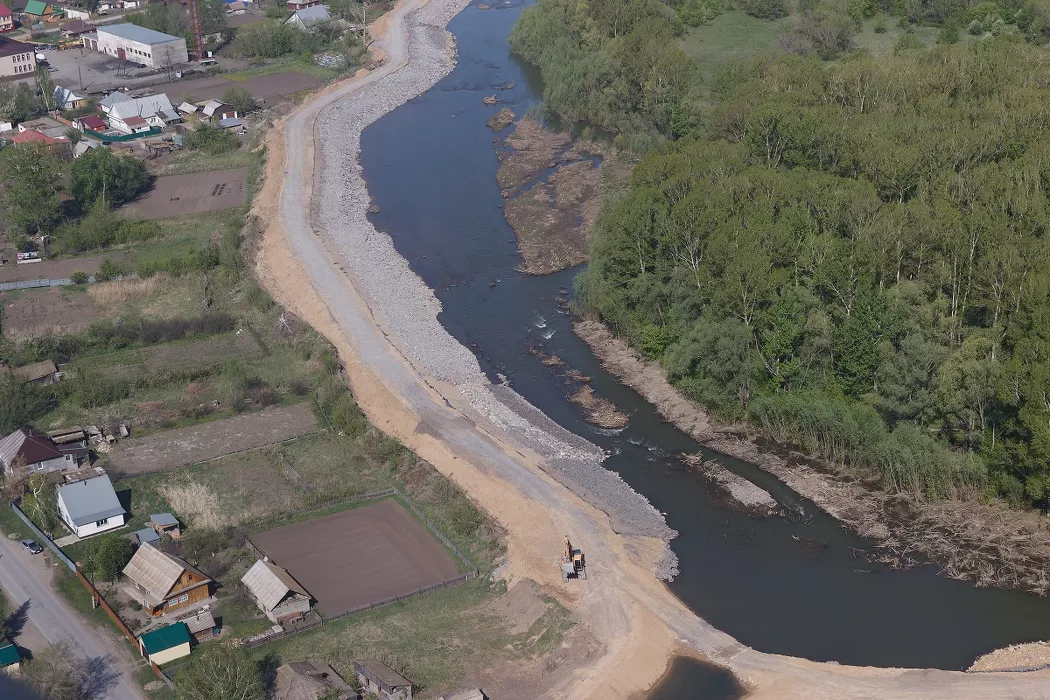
(764, 9)
(908, 42)
(212, 140)
(880, 24)
(78, 277)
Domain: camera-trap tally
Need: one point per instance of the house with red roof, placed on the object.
(92, 122)
(62, 147)
(7, 18)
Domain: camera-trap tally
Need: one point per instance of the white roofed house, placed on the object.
(139, 114)
(216, 111)
(90, 506)
(308, 17)
(276, 593)
(111, 99)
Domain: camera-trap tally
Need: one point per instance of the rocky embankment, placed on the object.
(407, 309)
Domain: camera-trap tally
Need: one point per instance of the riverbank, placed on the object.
(983, 544)
(636, 620)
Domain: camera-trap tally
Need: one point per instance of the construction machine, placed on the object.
(572, 563)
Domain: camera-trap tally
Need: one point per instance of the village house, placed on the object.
(379, 679)
(91, 122)
(39, 11)
(61, 147)
(296, 5)
(74, 28)
(304, 680)
(308, 17)
(137, 44)
(276, 593)
(202, 625)
(66, 99)
(17, 60)
(37, 452)
(7, 18)
(133, 115)
(90, 506)
(43, 373)
(166, 644)
(162, 583)
(216, 111)
(46, 126)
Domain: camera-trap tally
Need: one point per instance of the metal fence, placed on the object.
(44, 539)
(35, 284)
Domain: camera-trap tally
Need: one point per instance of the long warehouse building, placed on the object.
(138, 45)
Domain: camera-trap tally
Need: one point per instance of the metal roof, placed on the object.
(154, 571)
(163, 519)
(146, 534)
(311, 15)
(90, 500)
(133, 32)
(113, 98)
(165, 638)
(270, 584)
(31, 445)
(379, 671)
(9, 654)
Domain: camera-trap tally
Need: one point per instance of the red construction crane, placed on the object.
(198, 32)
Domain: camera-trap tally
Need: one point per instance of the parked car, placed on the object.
(32, 547)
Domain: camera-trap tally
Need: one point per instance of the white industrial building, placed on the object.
(138, 45)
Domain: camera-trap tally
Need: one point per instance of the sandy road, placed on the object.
(635, 617)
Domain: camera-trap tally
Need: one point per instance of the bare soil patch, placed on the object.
(185, 446)
(534, 149)
(987, 544)
(263, 87)
(360, 556)
(1016, 657)
(37, 312)
(170, 357)
(521, 606)
(600, 410)
(175, 195)
(52, 269)
(549, 238)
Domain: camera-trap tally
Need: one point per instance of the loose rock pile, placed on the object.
(408, 309)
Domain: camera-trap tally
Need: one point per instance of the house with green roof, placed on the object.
(166, 644)
(10, 659)
(40, 10)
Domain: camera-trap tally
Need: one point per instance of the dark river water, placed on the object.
(431, 166)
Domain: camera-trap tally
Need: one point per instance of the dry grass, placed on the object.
(197, 503)
(600, 410)
(122, 291)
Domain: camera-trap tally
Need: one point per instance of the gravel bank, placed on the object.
(407, 309)
(751, 497)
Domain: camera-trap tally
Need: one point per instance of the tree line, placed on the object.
(854, 257)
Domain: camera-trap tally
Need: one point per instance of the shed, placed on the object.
(84, 146)
(231, 124)
(165, 524)
(146, 535)
(166, 644)
(10, 658)
(45, 372)
(303, 680)
(464, 694)
(378, 678)
(187, 108)
(90, 506)
(213, 109)
(163, 583)
(201, 625)
(276, 593)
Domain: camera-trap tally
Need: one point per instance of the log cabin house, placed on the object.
(163, 583)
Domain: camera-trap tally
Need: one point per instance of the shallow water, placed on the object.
(689, 679)
(431, 169)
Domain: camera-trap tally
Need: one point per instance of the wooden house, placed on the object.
(379, 679)
(276, 593)
(163, 583)
(304, 680)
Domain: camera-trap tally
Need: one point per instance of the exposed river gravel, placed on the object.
(430, 166)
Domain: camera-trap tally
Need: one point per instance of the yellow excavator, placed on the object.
(572, 563)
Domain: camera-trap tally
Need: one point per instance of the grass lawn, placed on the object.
(281, 65)
(144, 676)
(188, 161)
(882, 44)
(732, 36)
(431, 638)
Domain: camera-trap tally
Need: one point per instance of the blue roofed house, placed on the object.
(90, 506)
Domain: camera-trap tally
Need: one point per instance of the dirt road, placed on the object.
(636, 618)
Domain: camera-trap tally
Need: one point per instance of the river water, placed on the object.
(431, 169)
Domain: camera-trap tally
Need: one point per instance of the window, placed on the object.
(100, 523)
(178, 601)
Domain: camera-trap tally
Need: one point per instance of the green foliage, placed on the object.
(242, 101)
(273, 39)
(764, 9)
(824, 31)
(22, 403)
(220, 672)
(907, 42)
(111, 556)
(33, 180)
(694, 13)
(18, 102)
(101, 228)
(854, 257)
(212, 140)
(91, 389)
(100, 174)
(614, 64)
(78, 277)
(174, 18)
(40, 502)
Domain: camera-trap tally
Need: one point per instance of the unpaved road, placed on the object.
(636, 618)
(24, 578)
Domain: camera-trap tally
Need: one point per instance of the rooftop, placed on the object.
(165, 638)
(37, 370)
(133, 32)
(5, 11)
(8, 653)
(9, 47)
(90, 500)
(156, 572)
(31, 445)
(270, 583)
(382, 673)
(146, 534)
(163, 519)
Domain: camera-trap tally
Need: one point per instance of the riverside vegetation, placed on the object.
(849, 255)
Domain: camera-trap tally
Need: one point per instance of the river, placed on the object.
(431, 167)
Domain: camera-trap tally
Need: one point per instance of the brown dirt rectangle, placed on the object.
(175, 195)
(51, 269)
(359, 556)
(185, 446)
(264, 87)
(38, 312)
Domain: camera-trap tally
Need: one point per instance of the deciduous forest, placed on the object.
(850, 254)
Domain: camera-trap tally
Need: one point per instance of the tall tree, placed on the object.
(33, 180)
(221, 672)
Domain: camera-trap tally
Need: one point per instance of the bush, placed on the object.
(240, 99)
(100, 173)
(212, 140)
(880, 24)
(764, 9)
(908, 42)
(824, 34)
(78, 277)
(111, 556)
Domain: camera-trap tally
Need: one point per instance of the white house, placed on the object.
(90, 506)
(132, 115)
(139, 45)
(67, 99)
